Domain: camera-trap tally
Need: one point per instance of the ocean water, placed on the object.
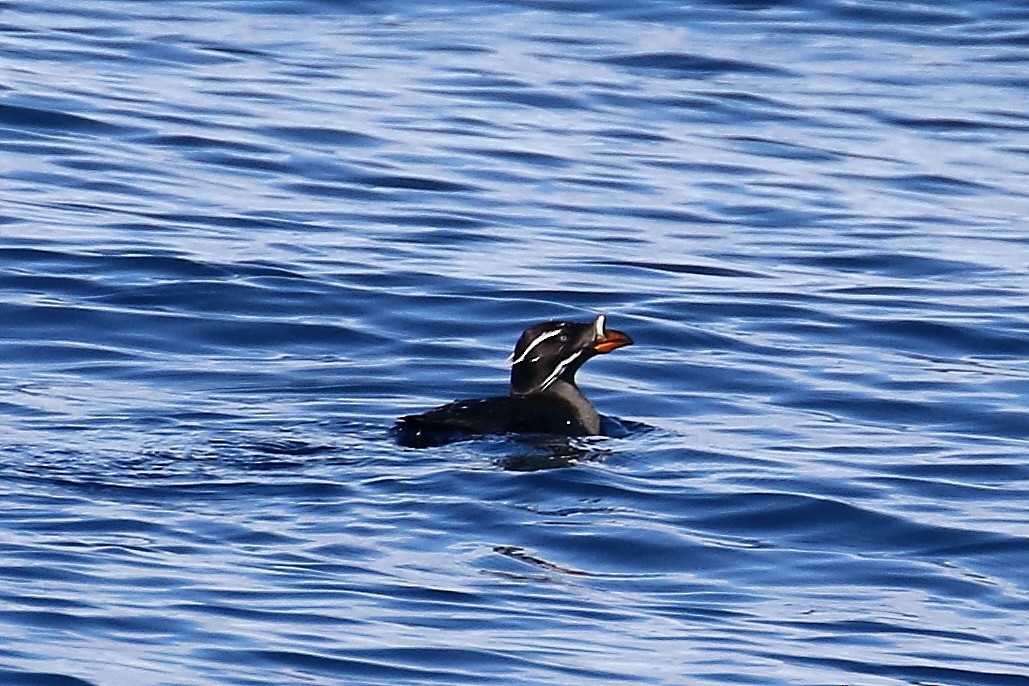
(238, 239)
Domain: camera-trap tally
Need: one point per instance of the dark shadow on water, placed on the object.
(521, 555)
(549, 452)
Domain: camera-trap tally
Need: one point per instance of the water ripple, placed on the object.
(240, 240)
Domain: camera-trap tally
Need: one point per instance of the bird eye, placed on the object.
(563, 338)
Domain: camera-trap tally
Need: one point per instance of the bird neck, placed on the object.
(583, 409)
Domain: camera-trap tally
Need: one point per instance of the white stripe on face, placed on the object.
(536, 341)
(559, 369)
(600, 326)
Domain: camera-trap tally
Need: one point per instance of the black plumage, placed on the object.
(543, 397)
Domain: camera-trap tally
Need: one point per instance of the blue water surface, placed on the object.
(238, 239)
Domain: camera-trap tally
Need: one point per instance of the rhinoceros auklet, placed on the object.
(543, 396)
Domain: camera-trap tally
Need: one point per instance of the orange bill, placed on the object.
(611, 340)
